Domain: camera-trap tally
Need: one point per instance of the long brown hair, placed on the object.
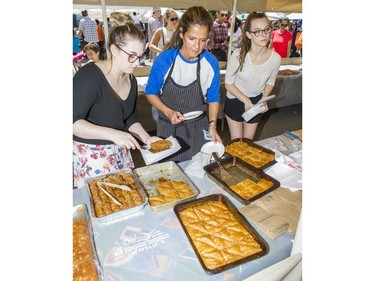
(246, 42)
(193, 15)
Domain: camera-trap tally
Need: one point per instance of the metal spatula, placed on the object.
(225, 176)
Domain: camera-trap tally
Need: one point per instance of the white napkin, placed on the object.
(294, 160)
(196, 164)
(150, 157)
(287, 176)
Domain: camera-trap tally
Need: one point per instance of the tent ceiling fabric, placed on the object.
(287, 6)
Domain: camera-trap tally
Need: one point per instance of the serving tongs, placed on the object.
(121, 186)
(99, 184)
(224, 175)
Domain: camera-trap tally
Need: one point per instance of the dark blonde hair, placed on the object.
(246, 42)
(118, 18)
(120, 34)
(194, 15)
(92, 46)
(167, 14)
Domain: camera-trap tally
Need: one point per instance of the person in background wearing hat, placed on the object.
(154, 24)
(184, 78)
(87, 26)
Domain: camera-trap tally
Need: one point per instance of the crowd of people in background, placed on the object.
(285, 39)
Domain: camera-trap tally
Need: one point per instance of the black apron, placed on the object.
(185, 99)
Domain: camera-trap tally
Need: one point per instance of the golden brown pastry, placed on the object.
(217, 235)
(84, 267)
(248, 189)
(250, 154)
(103, 205)
(169, 191)
(160, 145)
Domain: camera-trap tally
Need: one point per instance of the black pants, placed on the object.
(219, 54)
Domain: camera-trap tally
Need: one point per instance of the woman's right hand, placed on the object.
(125, 139)
(248, 104)
(175, 116)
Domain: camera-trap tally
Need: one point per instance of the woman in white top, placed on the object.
(162, 35)
(237, 34)
(250, 75)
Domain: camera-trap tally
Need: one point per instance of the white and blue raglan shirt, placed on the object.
(185, 72)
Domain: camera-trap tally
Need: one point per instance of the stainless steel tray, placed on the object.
(80, 213)
(148, 177)
(239, 170)
(121, 213)
(238, 216)
(261, 150)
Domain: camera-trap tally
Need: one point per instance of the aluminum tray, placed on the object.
(249, 142)
(240, 218)
(148, 175)
(239, 170)
(80, 212)
(122, 213)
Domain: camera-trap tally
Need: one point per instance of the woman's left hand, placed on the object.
(265, 106)
(214, 134)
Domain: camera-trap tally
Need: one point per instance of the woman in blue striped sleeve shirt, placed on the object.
(185, 77)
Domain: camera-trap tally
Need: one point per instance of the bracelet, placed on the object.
(212, 121)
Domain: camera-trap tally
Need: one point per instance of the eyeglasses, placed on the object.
(284, 25)
(224, 15)
(259, 32)
(133, 57)
(174, 19)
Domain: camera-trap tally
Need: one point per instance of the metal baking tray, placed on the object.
(121, 213)
(239, 170)
(238, 216)
(80, 212)
(263, 150)
(148, 177)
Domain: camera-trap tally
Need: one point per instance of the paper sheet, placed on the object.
(150, 157)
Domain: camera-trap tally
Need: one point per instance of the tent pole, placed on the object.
(234, 12)
(105, 23)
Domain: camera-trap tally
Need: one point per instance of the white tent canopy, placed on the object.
(286, 6)
(295, 16)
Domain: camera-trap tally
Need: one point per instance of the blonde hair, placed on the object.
(118, 18)
(167, 14)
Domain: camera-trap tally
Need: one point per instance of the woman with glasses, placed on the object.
(281, 39)
(250, 75)
(162, 35)
(184, 78)
(105, 125)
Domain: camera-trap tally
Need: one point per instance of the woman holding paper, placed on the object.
(250, 76)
